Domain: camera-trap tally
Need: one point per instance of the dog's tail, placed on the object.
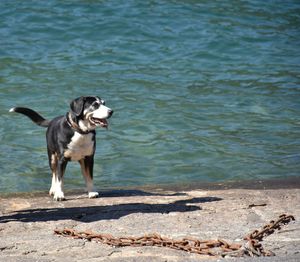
(34, 116)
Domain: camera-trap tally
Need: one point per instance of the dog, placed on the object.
(72, 138)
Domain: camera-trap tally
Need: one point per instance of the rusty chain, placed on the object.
(252, 246)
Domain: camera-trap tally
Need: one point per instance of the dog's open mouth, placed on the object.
(99, 122)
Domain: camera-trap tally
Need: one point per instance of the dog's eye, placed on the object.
(96, 105)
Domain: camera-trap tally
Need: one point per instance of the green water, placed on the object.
(202, 90)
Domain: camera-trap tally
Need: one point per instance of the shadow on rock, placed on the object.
(96, 213)
(132, 192)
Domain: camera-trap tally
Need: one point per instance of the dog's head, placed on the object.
(89, 112)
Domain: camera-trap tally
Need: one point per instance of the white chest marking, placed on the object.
(80, 146)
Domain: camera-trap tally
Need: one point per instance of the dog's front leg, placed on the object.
(58, 179)
(87, 165)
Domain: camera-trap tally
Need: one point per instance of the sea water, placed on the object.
(201, 90)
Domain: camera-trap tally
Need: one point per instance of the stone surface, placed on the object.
(27, 223)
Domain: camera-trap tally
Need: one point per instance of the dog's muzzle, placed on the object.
(100, 121)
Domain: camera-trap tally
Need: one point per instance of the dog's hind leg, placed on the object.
(58, 167)
(53, 166)
(87, 171)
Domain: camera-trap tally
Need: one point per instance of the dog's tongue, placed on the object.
(104, 123)
(100, 122)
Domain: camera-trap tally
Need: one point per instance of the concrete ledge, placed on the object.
(27, 222)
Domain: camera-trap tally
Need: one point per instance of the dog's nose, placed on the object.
(110, 112)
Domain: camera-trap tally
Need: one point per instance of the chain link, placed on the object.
(253, 247)
(220, 247)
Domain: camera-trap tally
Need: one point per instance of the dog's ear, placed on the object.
(77, 105)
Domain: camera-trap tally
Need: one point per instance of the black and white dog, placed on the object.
(72, 138)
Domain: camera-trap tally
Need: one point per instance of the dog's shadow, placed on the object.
(105, 212)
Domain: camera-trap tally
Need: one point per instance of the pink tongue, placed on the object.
(104, 122)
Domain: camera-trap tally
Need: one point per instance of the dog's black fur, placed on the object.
(72, 138)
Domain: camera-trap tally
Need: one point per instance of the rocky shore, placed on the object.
(220, 211)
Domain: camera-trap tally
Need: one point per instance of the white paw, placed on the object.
(51, 192)
(93, 194)
(59, 196)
